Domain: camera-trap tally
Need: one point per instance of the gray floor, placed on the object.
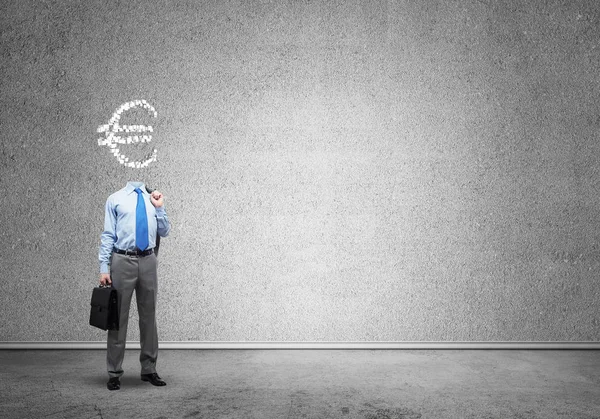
(306, 384)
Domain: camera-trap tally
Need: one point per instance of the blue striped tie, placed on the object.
(141, 222)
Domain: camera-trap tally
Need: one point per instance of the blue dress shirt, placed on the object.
(119, 222)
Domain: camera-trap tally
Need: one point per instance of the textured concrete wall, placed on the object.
(333, 170)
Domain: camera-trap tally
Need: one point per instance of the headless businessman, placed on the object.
(132, 219)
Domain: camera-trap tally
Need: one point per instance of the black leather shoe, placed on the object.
(113, 384)
(154, 379)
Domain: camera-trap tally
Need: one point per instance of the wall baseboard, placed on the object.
(310, 345)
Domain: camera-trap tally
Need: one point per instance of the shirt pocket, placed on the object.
(150, 210)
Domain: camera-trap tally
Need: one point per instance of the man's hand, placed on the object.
(105, 279)
(157, 199)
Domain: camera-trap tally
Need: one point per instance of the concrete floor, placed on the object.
(366, 384)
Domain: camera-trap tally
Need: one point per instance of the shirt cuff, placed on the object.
(160, 211)
(104, 268)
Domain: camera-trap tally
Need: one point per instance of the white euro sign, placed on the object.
(112, 135)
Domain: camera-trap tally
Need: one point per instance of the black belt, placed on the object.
(134, 252)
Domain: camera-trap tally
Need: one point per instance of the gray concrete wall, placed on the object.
(333, 170)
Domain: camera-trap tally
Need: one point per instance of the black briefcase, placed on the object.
(104, 313)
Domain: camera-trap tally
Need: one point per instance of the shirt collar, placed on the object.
(132, 185)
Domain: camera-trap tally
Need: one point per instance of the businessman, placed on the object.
(132, 219)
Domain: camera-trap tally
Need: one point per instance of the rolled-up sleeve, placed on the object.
(108, 237)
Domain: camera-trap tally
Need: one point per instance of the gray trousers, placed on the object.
(129, 273)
